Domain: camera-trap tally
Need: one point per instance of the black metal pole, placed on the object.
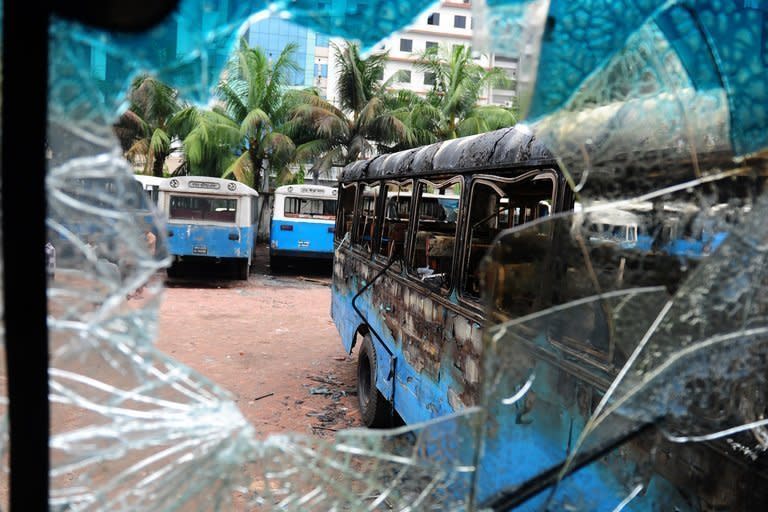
(24, 107)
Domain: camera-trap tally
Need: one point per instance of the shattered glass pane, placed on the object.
(644, 349)
(562, 44)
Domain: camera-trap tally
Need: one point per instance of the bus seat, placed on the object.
(439, 246)
(396, 238)
(186, 213)
(221, 216)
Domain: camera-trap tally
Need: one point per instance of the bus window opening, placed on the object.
(432, 256)
(395, 221)
(346, 210)
(310, 208)
(203, 208)
(366, 224)
(501, 203)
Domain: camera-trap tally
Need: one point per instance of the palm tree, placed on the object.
(458, 84)
(362, 125)
(246, 131)
(211, 143)
(253, 94)
(150, 124)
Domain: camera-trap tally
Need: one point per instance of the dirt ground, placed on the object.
(270, 341)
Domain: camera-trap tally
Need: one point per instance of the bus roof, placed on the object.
(320, 191)
(206, 185)
(146, 179)
(507, 147)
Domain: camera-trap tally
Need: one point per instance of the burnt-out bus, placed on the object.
(537, 314)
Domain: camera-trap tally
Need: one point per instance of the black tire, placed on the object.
(374, 408)
(276, 264)
(243, 270)
(174, 271)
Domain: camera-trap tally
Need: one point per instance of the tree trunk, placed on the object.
(157, 166)
(256, 165)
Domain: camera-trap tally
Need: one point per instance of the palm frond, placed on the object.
(156, 101)
(312, 149)
(279, 75)
(183, 122)
(233, 100)
(279, 148)
(254, 122)
(160, 143)
(241, 169)
(139, 151)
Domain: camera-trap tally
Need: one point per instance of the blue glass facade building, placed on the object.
(273, 34)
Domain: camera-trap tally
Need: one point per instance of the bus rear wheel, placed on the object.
(374, 408)
(243, 269)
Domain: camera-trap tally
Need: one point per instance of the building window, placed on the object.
(460, 22)
(404, 76)
(433, 19)
(406, 45)
(472, 23)
(321, 70)
(429, 78)
(430, 44)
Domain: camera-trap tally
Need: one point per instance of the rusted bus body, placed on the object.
(638, 321)
(556, 302)
(427, 335)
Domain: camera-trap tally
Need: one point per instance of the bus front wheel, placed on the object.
(374, 408)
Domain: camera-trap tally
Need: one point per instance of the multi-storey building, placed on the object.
(444, 25)
(273, 35)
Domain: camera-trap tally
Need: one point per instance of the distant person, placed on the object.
(151, 241)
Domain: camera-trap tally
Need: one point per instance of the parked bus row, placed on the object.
(216, 220)
(437, 245)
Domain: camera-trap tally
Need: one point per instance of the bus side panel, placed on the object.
(209, 240)
(524, 439)
(422, 391)
(295, 237)
(348, 321)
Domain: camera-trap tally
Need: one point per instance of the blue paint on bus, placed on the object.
(210, 219)
(211, 241)
(297, 238)
(302, 224)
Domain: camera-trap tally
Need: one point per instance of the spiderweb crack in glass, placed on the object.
(615, 90)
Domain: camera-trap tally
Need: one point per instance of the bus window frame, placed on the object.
(491, 180)
(399, 183)
(240, 218)
(419, 184)
(357, 245)
(339, 233)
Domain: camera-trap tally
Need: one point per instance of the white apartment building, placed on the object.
(444, 25)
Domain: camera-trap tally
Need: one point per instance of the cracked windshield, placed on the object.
(379, 255)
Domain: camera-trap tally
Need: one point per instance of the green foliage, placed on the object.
(459, 83)
(246, 134)
(147, 129)
(363, 125)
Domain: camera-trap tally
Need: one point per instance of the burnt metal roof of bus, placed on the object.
(508, 147)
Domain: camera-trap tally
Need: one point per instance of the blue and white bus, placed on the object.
(210, 220)
(151, 185)
(303, 219)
